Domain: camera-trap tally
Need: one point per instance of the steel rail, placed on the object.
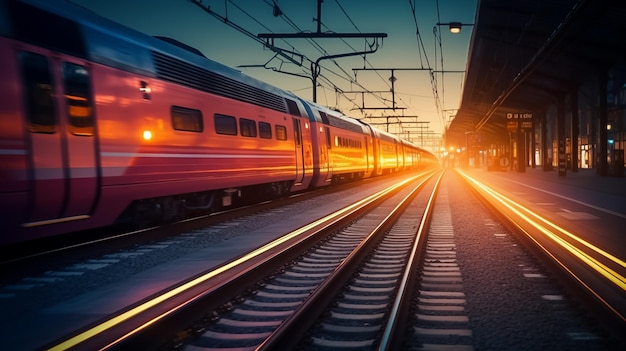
(135, 325)
(289, 333)
(394, 330)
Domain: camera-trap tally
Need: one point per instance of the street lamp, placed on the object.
(455, 27)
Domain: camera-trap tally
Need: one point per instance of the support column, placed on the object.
(575, 130)
(512, 150)
(533, 144)
(601, 161)
(545, 161)
(521, 148)
(560, 135)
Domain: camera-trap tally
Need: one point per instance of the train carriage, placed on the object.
(119, 121)
(100, 123)
(411, 155)
(342, 146)
(387, 151)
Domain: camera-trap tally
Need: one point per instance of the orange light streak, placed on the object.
(108, 324)
(592, 262)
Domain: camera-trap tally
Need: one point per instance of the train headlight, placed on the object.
(145, 90)
(147, 135)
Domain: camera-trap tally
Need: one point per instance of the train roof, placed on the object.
(319, 113)
(72, 29)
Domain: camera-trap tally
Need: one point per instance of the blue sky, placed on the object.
(185, 21)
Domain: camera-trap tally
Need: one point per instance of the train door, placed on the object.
(369, 164)
(379, 156)
(325, 166)
(401, 156)
(297, 131)
(59, 115)
(398, 159)
(81, 153)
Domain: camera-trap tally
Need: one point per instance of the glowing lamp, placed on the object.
(455, 27)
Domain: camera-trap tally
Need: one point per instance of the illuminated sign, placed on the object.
(524, 121)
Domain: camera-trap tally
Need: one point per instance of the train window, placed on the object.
(297, 132)
(225, 124)
(348, 143)
(247, 127)
(281, 132)
(187, 119)
(324, 117)
(39, 92)
(78, 99)
(328, 143)
(265, 130)
(292, 106)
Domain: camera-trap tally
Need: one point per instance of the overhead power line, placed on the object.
(315, 66)
(283, 53)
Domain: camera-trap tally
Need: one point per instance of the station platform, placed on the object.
(584, 177)
(584, 185)
(587, 205)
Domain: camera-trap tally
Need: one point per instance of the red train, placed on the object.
(100, 123)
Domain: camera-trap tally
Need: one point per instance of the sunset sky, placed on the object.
(187, 22)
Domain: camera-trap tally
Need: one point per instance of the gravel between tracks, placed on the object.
(513, 304)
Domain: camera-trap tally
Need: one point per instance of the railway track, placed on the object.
(371, 261)
(378, 274)
(214, 290)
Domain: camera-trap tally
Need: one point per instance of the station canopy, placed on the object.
(526, 54)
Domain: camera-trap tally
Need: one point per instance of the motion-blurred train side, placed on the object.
(100, 123)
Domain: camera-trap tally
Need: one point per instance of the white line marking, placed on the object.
(573, 200)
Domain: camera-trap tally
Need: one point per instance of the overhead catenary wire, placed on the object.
(338, 92)
(320, 49)
(324, 52)
(327, 79)
(346, 76)
(439, 39)
(421, 49)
